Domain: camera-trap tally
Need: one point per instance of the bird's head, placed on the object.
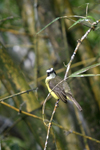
(51, 73)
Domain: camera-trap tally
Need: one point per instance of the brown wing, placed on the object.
(63, 91)
(58, 90)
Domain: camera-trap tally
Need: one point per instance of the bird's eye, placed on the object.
(48, 73)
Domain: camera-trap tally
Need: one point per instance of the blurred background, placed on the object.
(24, 58)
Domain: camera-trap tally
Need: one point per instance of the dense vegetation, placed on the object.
(24, 58)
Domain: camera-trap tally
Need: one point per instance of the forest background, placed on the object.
(24, 58)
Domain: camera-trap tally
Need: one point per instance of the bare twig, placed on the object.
(77, 133)
(8, 18)
(50, 122)
(61, 127)
(43, 108)
(23, 112)
(93, 26)
(20, 93)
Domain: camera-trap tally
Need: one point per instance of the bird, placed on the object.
(59, 88)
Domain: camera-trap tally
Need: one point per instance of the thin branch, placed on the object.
(76, 133)
(34, 116)
(21, 112)
(93, 26)
(8, 18)
(20, 93)
(43, 107)
(50, 123)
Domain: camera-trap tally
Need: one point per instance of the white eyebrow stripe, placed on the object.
(50, 70)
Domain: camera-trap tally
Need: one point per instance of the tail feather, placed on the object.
(75, 102)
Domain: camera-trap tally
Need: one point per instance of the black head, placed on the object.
(50, 71)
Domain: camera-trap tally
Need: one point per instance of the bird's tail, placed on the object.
(74, 101)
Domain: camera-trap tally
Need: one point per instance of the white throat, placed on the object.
(51, 76)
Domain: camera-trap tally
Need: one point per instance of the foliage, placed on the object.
(37, 35)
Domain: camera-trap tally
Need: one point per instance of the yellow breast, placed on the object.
(51, 92)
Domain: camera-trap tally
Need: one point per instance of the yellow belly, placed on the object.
(51, 92)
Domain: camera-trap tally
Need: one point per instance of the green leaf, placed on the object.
(84, 70)
(78, 21)
(85, 75)
(90, 17)
(48, 25)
